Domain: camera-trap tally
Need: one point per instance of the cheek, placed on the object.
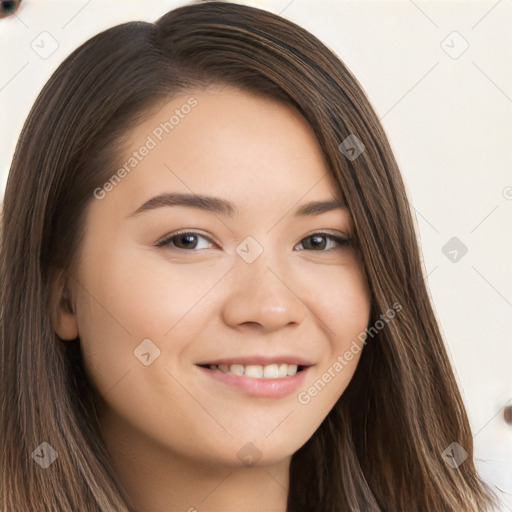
(340, 299)
(130, 295)
(342, 306)
(134, 296)
(149, 294)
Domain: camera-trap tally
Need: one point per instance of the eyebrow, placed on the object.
(226, 208)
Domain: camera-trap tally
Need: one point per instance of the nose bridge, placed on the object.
(260, 292)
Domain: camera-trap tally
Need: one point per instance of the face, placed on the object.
(212, 330)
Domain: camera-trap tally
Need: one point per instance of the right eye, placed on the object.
(182, 240)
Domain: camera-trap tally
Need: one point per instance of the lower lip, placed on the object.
(267, 388)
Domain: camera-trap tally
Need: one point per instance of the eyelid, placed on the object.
(332, 232)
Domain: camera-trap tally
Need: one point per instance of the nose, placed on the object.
(263, 296)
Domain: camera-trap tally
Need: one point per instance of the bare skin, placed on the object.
(178, 438)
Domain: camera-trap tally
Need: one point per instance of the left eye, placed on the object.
(188, 240)
(316, 238)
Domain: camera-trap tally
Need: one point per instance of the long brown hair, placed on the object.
(381, 446)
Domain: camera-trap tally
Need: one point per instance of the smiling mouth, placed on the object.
(269, 371)
(273, 379)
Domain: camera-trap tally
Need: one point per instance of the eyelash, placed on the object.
(342, 241)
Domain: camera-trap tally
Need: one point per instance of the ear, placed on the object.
(62, 307)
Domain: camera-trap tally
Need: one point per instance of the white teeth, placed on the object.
(292, 369)
(254, 370)
(237, 369)
(283, 370)
(270, 371)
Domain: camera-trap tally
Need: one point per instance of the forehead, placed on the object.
(228, 143)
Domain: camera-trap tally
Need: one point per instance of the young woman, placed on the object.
(212, 296)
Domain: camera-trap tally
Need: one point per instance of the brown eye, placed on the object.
(185, 240)
(319, 241)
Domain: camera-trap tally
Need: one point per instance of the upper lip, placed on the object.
(260, 360)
